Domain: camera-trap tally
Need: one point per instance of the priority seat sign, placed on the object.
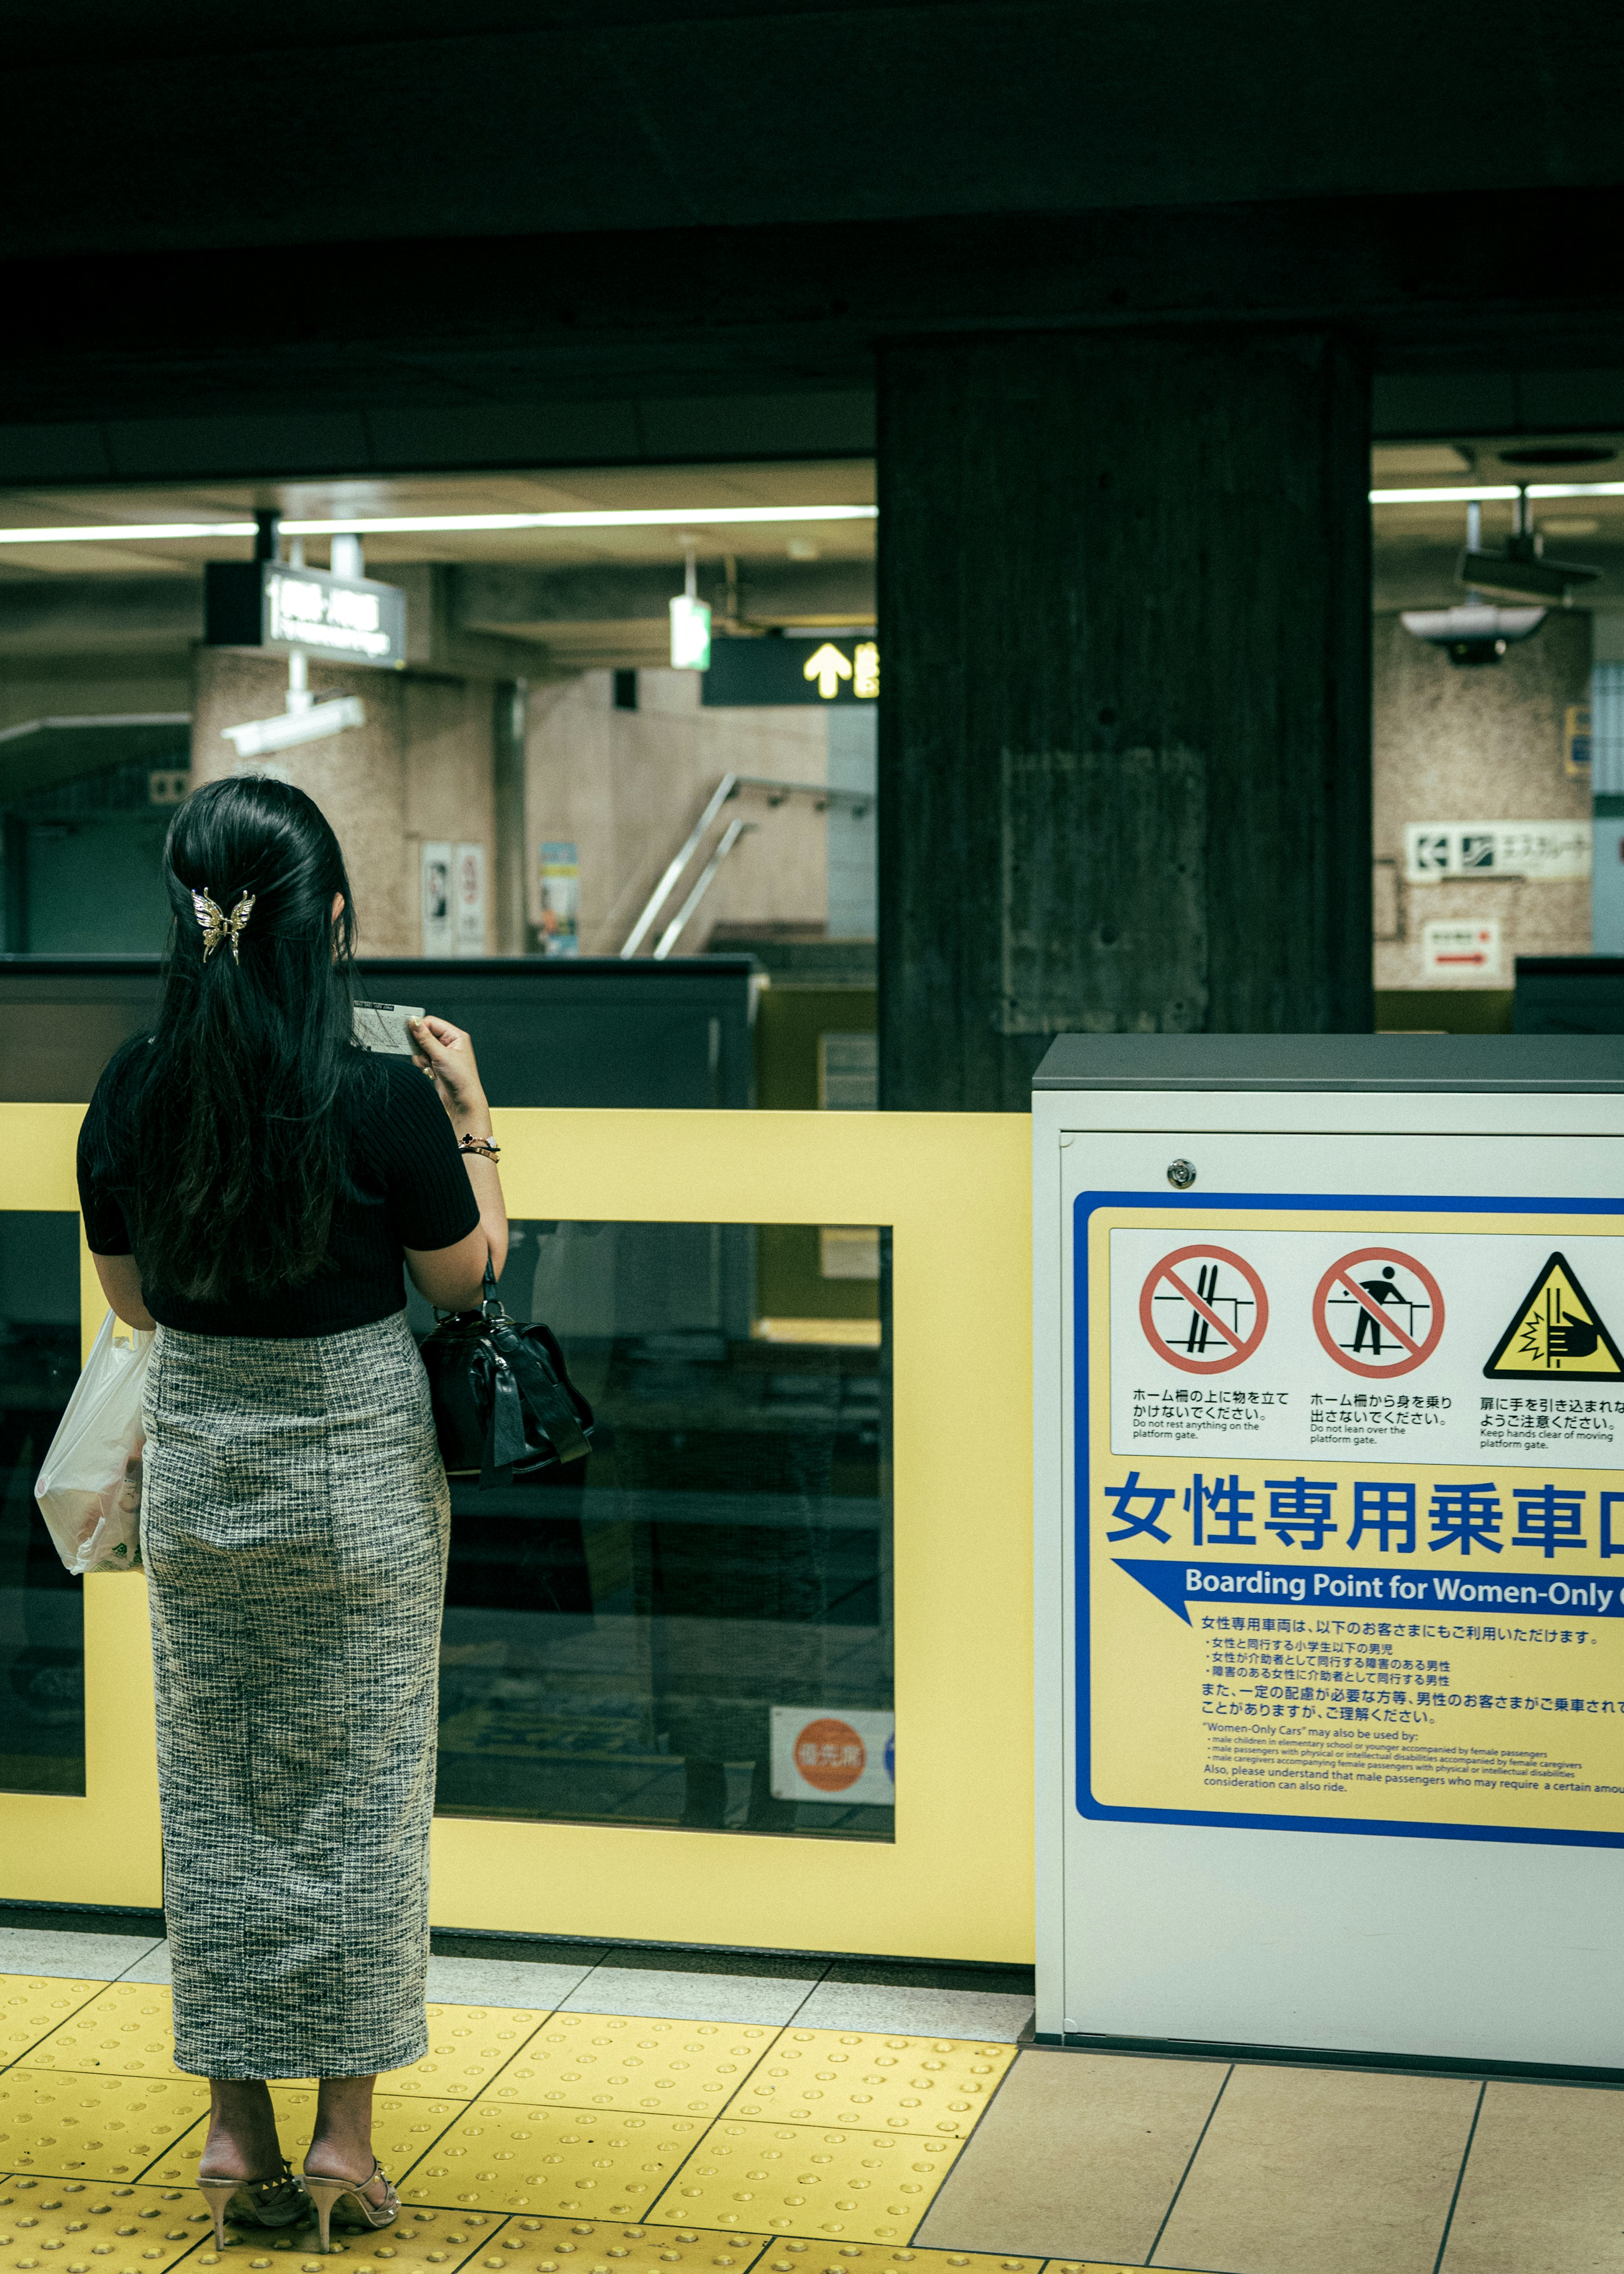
(1350, 1521)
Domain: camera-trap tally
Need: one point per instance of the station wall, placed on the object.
(420, 768)
(1462, 744)
(625, 787)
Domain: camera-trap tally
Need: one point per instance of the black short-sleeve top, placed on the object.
(410, 1189)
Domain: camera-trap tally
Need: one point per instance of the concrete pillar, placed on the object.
(510, 705)
(1125, 732)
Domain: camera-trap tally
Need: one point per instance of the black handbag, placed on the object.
(505, 1407)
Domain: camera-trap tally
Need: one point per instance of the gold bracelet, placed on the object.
(485, 1145)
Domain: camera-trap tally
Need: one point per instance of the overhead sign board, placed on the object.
(272, 604)
(776, 670)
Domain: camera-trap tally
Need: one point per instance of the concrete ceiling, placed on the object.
(545, 602)
(1416, 547)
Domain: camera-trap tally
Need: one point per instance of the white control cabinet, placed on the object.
(1330, 1543)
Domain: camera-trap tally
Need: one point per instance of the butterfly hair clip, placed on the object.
(217, 927)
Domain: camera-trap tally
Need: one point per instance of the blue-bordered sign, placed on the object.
(1315, 1597)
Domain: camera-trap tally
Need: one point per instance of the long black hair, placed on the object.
(237, 1108)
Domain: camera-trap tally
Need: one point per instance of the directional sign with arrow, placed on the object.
(843, 668)
(828, 667)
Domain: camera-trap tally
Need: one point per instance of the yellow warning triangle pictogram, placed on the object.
(1556, 1329)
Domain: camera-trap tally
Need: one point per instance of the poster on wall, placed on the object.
(1468, 948)
(1349, 1523)
(468, 889)
(436, 898)
(558, 875)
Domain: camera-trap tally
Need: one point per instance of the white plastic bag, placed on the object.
(89, 1490)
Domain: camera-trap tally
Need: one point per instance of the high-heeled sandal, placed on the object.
(266, 2203)
(327, 2193)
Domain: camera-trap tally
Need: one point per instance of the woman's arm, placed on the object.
(121, 1284)
(453, 1278)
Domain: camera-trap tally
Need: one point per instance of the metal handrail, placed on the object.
(730, 785)
(673, 930)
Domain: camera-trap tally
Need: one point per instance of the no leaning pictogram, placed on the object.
(1204, 1309)
(1379, 1312)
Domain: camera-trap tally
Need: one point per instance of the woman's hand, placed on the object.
(451, 1276)
(445, 1051)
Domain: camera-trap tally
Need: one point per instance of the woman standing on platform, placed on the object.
(251, 1182)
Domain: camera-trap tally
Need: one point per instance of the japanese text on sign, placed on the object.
(1350, 1516)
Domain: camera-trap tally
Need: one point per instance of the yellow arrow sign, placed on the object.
(829, 667)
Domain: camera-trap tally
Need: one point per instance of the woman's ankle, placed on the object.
(339, 2156)
(242, 2141)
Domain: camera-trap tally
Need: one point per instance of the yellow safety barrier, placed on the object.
(957, 1882)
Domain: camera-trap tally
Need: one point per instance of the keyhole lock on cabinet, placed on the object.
(1181, 1175)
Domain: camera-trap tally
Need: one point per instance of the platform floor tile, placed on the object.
(803, 2180)
(414, 2244)
(869, 2258)
(56, 2122)
(469, 2045)
(562, 2246)
(126, 2029)
(874, 2084)
(80, 2227)
(609, 2060)
(552, 2160)
(32, 2006)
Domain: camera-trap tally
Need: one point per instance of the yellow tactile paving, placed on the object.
(32, 2006)
(125, 2031)
(874, 2084)
(569, 2144)
(606, 2061)
(869, 2258)
(419, 2240)
(412, 2244)
(402, 2131)
(78, 2226)
(92, 2128)
(562, 2246)
(801, 2179)
(468, 2046)
(553, 2160)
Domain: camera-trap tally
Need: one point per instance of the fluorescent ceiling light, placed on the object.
(114, 529)
(417, 524)
(290, 728)
(1466, 494)
(428, 524)
(1501, 493)
(629, 517)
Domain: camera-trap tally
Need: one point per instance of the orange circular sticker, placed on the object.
(830, 1754)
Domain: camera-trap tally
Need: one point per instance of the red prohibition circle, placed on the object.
(1241, 1351)
(1419, 1352)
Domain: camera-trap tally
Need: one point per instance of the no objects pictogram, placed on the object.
(1379, 1312)
(1204, 1309)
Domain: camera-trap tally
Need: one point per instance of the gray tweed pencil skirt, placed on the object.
(294, 1528)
